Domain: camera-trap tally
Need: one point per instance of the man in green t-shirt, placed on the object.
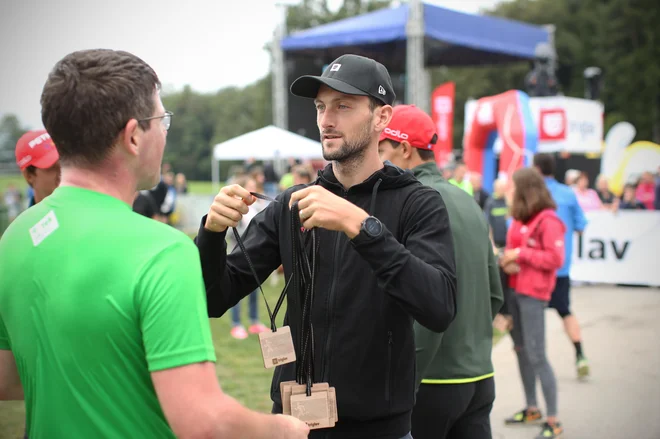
(103, 324)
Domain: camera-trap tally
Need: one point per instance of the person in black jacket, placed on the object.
(386, 256)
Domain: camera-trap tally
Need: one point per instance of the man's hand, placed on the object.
(319, 207)
(291, 427)
(228, 208)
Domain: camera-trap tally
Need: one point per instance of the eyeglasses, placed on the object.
(165, 119)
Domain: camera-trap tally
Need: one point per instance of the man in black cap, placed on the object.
(386, 256)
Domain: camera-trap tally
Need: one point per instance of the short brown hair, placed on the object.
(531, 195)
(546, 163)
(89, 97)
(424, 154)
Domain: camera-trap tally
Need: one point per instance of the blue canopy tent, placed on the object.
(406, 39)
(451, 38)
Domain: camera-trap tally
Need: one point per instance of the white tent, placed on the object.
(268, 143)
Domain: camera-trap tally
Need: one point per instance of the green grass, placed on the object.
(239, 367)
(15, 179)
(201, 187)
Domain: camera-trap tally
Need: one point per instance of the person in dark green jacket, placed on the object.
(457, 388)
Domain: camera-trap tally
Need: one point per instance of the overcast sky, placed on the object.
(208, 44)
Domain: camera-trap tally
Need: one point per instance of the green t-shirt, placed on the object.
(94, 297)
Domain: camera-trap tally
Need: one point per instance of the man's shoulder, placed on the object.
(154, 233)
(556, 187)
(20, 228)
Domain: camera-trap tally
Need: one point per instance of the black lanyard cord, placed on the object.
(271, 315)
(304, 278)
(301, 282)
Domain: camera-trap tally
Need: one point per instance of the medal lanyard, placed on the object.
(271, 315)
(302, 281)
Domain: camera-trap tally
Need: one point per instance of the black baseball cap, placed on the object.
(352, 75)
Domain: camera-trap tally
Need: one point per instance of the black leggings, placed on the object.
(454, 411)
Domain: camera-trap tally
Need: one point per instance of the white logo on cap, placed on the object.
(335, 67)
(381, 90)
(24, 161)
(38, 140)
(396, 133)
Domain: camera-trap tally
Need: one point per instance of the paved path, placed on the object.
(621, 400)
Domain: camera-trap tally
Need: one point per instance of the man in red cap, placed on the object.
(38, 160)
(457, 390)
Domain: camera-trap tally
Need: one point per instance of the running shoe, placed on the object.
(551, 431)
(239, 332)
(525, 417)
(257, 328)
(582, 365)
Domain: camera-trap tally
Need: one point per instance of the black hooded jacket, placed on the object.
(367, 294)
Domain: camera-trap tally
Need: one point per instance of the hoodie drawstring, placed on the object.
(372, 207)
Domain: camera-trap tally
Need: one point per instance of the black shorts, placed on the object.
(561, 299)
(456, 411)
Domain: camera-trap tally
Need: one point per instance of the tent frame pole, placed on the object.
(417, 92)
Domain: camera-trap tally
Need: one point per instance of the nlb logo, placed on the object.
(552, 124)
(396, 133)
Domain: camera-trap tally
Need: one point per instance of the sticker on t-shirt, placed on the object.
(43, 228)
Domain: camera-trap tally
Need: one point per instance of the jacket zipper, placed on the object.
(328, 340)
(388, 368)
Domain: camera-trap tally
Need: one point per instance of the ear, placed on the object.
(28, 177)
(383, 117)
(406, 149)
(130, 139)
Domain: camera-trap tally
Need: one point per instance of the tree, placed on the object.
(311, 13)
(10, 131)
(203, 120)
(619, 36)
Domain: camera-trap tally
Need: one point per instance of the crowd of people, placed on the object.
(642, 192)
(395, 271)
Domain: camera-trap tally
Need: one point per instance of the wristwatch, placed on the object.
(371, 226)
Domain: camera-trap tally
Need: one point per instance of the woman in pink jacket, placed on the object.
(534, 252)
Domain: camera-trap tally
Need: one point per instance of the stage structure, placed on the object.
(407, 39)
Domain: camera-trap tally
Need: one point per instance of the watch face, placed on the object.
(373, 226)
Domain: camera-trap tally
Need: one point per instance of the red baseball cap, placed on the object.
(411, 124)
(36, 148)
